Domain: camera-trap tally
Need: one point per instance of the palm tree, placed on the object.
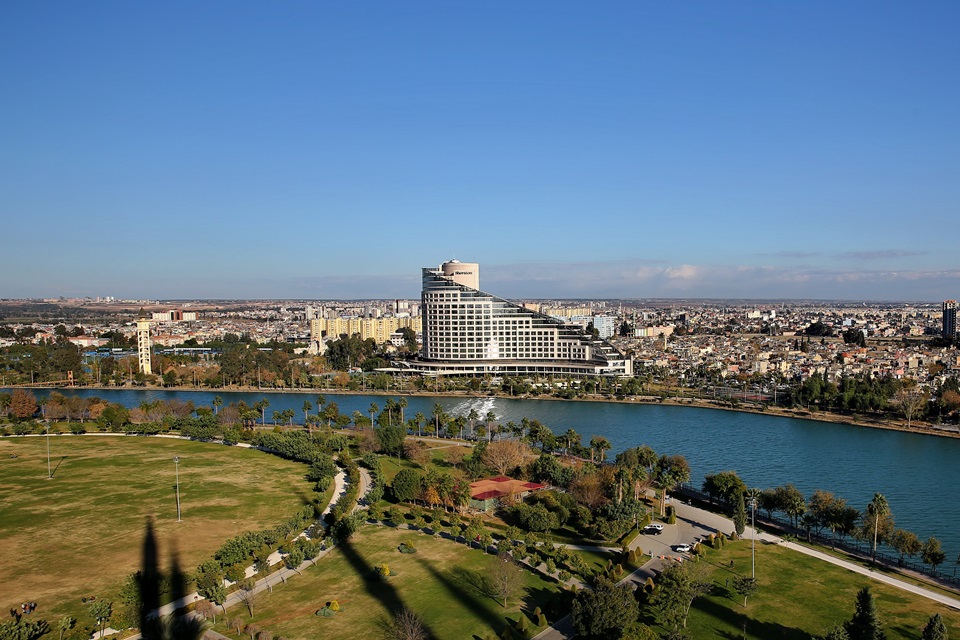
(217, 403)
(320, 402)
(261, 406)
(277, 416)
(373, 410)
(491, 418)
(331, 413)
(306, 410)
(571, 438)
(473, 416)
(419, 418)
(460, 422)
(390, 406)
(357, 415)
(878, 507)
(600, 445)
(403, 404)
(437, 414)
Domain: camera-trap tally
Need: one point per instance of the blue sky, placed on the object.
(330, 150)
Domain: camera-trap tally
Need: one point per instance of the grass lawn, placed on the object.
(441, 582)
(800, 597)
(80, 533)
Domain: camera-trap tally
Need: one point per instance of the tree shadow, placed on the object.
(373, 584)
(467, 587)
(756, 628)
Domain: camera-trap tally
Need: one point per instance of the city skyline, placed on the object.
(319, 151)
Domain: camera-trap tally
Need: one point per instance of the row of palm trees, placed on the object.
(531, 431)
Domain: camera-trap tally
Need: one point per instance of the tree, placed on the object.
(906, 543)
(405, 625)
(217, 403)
(669, 472)
(419, 418)
(837, 633)
(745, 586)
(407, 485)
(208, 610)
(101, 610)
(740, 516)
(865, 624)
(599, 446)
(935, 629)
(877, 509)
(602, 613)
(261, 406)
(391, 439)
(505, 455)
(65, 624)
(235, 623)
(249, 596)
(505, 578)
(23, 404)
(932, 553)
(911, 400)
(437, 414)
(679, 586)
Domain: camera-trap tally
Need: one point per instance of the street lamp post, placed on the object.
(49, 472)
(176, 465)
(753, 524)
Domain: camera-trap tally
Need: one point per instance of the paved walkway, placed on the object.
(692, 523)
(277, 577)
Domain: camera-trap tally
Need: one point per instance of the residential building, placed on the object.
(949, 319)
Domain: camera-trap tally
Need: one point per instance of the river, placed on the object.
(915, 472)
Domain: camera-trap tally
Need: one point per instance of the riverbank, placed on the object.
(871, 422)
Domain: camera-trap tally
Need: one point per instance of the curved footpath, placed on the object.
(693, 522)
(267, 583)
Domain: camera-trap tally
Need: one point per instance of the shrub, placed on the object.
(383, 571)
(334, 605)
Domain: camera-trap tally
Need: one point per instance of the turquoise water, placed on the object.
(917, 473)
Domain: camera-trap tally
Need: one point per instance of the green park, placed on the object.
(420, 557)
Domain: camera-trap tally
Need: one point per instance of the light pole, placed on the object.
(176, 465)
(753, 546)
(49, 472)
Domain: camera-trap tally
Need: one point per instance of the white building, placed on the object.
(467, 331)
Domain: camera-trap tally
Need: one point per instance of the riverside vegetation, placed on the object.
(420, 488)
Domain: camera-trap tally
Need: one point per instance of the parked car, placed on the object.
(682, 548)
(653, 529)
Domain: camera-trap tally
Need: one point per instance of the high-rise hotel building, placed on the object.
(468, 331)
(950, 319)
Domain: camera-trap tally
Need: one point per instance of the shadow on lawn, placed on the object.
(741, 621)
(179, 624)
(470, 588)
(375, 586)
(59, 462)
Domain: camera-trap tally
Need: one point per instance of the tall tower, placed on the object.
(949, 319)
(143, 342)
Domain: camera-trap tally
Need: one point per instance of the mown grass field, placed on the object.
(800, 597)
(442, 582)
(80, 533)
